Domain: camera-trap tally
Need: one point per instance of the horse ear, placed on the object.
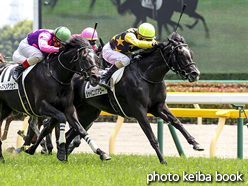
(84, 53)
(172, 41)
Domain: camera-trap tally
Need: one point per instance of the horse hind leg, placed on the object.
(6, 128)
(33, 123)
(4, 112)
(1, 155)
(75, 143)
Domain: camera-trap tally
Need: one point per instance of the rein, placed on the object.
(181, 68)
(82, 72)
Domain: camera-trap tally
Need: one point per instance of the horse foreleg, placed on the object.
(71, 116)
(146, 127)
(49, 145)
(169, 117)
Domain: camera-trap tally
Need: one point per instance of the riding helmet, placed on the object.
(88, 34)
(62, 33)
(146, 30)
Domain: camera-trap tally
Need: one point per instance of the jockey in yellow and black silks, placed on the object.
(117, 50)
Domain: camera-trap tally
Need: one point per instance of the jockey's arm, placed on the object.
(131, 38)
(43, 40)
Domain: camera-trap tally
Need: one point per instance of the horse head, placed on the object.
(84, 58)
(181, 58)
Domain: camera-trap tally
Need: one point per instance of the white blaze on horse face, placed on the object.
(186, 50)
(91, 54)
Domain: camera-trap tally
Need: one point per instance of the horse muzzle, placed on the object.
(94, 77)
(194, 76)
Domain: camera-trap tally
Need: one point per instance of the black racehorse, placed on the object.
(142, 90)
(163, 15)
(49, 91)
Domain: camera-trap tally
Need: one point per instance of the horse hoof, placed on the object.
(105, 157)
(61, 154)
(198, 147)
(164, 163)
(30, 150)
(43, 151)
(61, 157)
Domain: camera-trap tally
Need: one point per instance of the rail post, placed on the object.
(240, 130)
(176, 140)
(160, 133)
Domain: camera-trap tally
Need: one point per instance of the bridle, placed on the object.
(176, 65)
(83, 72)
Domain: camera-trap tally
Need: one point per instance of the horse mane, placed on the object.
(176, 37)
(77, 42)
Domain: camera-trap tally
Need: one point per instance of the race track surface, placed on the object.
(132, 140)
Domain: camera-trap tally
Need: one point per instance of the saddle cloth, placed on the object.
(91, 91)
(6, 80)
(8, 83)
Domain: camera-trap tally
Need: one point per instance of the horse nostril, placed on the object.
(194, 74)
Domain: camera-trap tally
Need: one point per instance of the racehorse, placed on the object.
(13, 116)
(50, 92)
(163, 14)
(141, 90)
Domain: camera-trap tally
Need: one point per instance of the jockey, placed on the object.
(117, 51)
(30, 50)
(90, 34)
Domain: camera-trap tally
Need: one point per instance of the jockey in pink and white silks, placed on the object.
(90, 34)
(117, 50)
(30, 50)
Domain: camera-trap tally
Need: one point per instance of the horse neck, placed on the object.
(62, 74)
(153, 67)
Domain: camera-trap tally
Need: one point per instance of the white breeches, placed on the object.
(26, 51)
(113, 56)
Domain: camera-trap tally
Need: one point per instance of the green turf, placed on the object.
(89, 170)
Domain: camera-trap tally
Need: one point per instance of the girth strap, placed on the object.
(24, 98)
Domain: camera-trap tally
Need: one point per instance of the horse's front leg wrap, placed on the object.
(91, 143)
(62, 133)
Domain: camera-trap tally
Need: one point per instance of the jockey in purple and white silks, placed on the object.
(117, 50)
(30, 50)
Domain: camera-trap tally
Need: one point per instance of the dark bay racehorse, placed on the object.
(142, 90)
(50, 91)
(13, 116)
(163, 15)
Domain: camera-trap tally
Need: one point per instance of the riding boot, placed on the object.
(17, 71)
(104, 81)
